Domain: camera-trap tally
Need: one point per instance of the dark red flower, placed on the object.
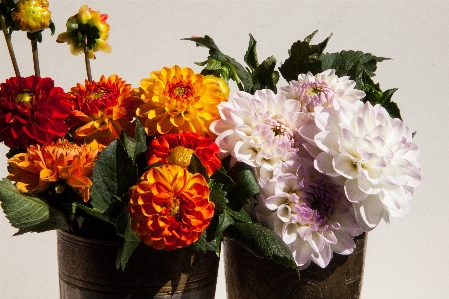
(32, 111)
(178, 149)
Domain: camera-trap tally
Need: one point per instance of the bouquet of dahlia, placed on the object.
(292, 174)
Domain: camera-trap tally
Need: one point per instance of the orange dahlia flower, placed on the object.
(178, 100)
(178, 149)
(32, 111)
(59, 164)
(170, 207)
(101, 110)
(31, 15)
(83, 23)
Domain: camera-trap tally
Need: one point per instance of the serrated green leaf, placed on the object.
(262, 242)
(264, 75)
(29, 213)
(221, 177)
(240, 216)
(251, 55)
(245, 188)
(218, 196)
(131, 241)
(113, 174)
(309, 37)
(218, 224)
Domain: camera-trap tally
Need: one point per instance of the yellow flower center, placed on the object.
(316, 89)
(173, 207)
(25, 98)
(180, 156)
(179, 91)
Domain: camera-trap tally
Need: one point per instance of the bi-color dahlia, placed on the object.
(178, 100)
(91, 23)
(170, 207)
(260, 130)
(32, 111)
(178, 149)
(372, 153)
(310, 213)
(102, 110)
(58, 164)
(321, 90)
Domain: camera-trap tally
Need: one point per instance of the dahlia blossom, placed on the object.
(31, 15)
(57, 164)
(32, 111)
(321, 90)
(178, 100)
(170, 207)
(82, 23)
(372, 154)
(178, 149)
(102, 110)
(260, 130)
(310, 213)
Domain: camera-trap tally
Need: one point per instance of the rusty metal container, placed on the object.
(250, 277)
(87, 271)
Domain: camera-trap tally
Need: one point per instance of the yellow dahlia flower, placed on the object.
(92, 23)
(57, 164)
(178, 100)
(31, 15)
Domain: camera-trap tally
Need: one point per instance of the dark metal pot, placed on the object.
(250, 277)
(87, 271)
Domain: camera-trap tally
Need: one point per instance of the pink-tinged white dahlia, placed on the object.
(260, 130)
(321, 90)
(310, 213)
(372, 154)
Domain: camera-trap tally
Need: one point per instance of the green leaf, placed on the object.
(245, 188)
(262, 242)
(218, 196)
(251, 54)
(196, 166)
(29, 213)
(129, 245)
(237, 71)
(113, 174)
(240, 216)
(218, 224)
(221, 177)
(202, 245)
(264, 75)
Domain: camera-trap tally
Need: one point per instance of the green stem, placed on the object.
(37, 71)
(9, 44)
(86, 59)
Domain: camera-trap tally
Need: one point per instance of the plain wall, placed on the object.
(407, 258)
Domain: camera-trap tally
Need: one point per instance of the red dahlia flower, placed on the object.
(170, 207)
(32, 111)
(178, 149)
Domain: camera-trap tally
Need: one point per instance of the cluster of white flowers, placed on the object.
(329, 166)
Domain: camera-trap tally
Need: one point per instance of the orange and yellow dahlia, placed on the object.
(170, 207)
(31, 15)
(32, 111)
(178, 100)
(178, 149)
(101, 110)
(91, 23)
(57, 164)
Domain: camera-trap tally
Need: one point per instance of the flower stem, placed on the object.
(9, 44)
(37, 71)
(86, 58)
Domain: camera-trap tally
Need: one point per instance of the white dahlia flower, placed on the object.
(371, 153)
(321, 90)
(260, 130)
(310, 213)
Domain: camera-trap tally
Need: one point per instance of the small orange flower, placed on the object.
(60, 164)
(101, 110)
(178, 100)
(170, 207)
(31, 15)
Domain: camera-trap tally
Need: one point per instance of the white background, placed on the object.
(408, 258)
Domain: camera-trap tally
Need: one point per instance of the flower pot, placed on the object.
(250, 277)
(87, 271)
